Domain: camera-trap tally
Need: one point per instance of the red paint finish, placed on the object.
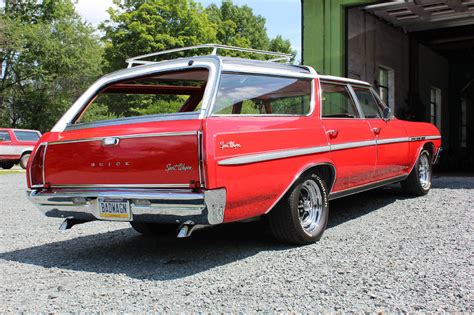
(252, 188)
(392, 158)
(355, 166)
(144, 160)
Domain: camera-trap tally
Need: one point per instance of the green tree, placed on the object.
(238, 25)
(139, 27)
(50, 56)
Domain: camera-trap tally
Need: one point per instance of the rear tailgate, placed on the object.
(154, 157)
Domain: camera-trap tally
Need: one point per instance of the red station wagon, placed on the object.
(192, 142)
(16, 146)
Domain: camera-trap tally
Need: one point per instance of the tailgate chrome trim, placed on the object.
(143, 135)
(72, 186)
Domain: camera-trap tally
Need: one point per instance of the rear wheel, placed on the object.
(7, 165)
(418, 183)
(153, 229)
(24, 160)
(301, 217)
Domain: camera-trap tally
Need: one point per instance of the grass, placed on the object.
(2, 172)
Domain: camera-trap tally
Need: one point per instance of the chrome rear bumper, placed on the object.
(152, 205)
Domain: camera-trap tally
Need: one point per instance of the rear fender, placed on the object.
(311, 168)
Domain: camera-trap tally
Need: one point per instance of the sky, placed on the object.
(283, 16)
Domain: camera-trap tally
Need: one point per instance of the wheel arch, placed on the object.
(28, 151)
(325, 169)
(425, 146)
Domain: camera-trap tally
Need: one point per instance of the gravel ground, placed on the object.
(381, 252)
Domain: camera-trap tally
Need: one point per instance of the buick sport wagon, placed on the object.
(183, 143)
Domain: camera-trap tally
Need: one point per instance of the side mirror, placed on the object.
(387, 113)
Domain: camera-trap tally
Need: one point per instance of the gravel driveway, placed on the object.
(381, 252)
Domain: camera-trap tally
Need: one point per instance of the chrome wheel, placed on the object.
(310, 205)
(424, 171)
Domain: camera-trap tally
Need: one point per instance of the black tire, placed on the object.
(24, 160)
(154, 229)
(286, 219)
(416, 183)
(7, 165)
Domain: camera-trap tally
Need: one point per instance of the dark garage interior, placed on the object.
(420, 57)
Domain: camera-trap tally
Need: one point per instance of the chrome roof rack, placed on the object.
(276, 56)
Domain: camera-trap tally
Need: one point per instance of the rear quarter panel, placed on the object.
(420, 134)
(252, 189)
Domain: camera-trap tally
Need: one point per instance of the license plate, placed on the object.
(112, 209)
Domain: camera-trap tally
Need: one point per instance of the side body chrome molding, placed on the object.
(281, 154)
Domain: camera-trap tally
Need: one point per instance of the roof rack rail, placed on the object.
(138, 60)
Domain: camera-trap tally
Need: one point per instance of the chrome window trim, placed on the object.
(356, 101)
(343, 80)
(349, 90)
(312, 103)
(298, 176)
(134, 120)
(265, 70)
(213, 64)
(370, 90)
(133, 136)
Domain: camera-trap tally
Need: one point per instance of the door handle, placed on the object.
(332, 133)
(376, 130)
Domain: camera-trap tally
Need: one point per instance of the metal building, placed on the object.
(419, 54)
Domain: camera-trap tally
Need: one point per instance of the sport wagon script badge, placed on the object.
(180, 167)
(229, 145)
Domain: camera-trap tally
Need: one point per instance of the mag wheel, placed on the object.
(418, 183)
(301, 216)
(153, 229)
(24, 160)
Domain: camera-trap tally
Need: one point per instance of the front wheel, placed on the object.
(301, 217)
(418, 183)
(7, 165)
(24, 160)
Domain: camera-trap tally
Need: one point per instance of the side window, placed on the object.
(250, 94)
(367, 102)
(337, 101)
(4, 136)
(26, 135)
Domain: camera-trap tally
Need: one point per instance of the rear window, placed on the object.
(164, 93)
(26, 135)
(248, 94)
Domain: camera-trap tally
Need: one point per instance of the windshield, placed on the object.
(164, 93)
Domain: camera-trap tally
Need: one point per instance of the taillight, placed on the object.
(37, 167)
